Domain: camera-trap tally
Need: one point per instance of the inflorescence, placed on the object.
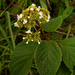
(28, 19)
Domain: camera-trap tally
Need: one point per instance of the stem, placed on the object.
(42, 30)
(9, 25)
(68, 31)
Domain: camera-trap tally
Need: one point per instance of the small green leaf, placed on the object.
(21, 58)
(67, 3)
(63, 70)
(68, 51)
(43, 4)
(48, 57)
(67, 12)
(52, 25)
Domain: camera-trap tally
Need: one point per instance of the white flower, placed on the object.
(27, 42)
(33, 4)
(28, 16)
(15, 24)
(47, 20)
(40, 16)
(40, 13)
(24, 37)
(48, 17)
(38, 9)
(28, 31)
(38, 42)
(31, 9)
(24, 21)
(19, 16)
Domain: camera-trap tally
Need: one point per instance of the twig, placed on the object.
(57, 37)
(42, 30)
(49, 4)
(61, 33)
(68, 24)
(61, 29)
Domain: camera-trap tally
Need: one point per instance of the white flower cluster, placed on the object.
(29, 32)
(32, 12)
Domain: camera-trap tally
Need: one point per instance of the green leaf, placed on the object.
(61, 9)
(43, 4)
(67, 3)
(63, 70)
(53, 24)
(67, 12)
(48, 57)
(68, 51)
(10, 29)
(6, 37)
(21, 58)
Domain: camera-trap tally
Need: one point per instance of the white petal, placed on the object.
(18, 17)
(31, 9)
(21, 15)
(24, 21)
(38, 6)
(33, 4)
(28, 16)
(27, 42)
(24, 37)
(28, 31)
(38, 42)
(38, 9)
(15, 24)
(47, 20)
(40, 13)
(48, 17)
(40, 17)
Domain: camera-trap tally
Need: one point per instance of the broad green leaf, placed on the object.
(43, 4)
(63, 70)
(68, 51)
(53, 24)
(48, 57)
(67, 12)
(61, 9)
(21, 58)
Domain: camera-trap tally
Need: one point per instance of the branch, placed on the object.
(42, 30)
